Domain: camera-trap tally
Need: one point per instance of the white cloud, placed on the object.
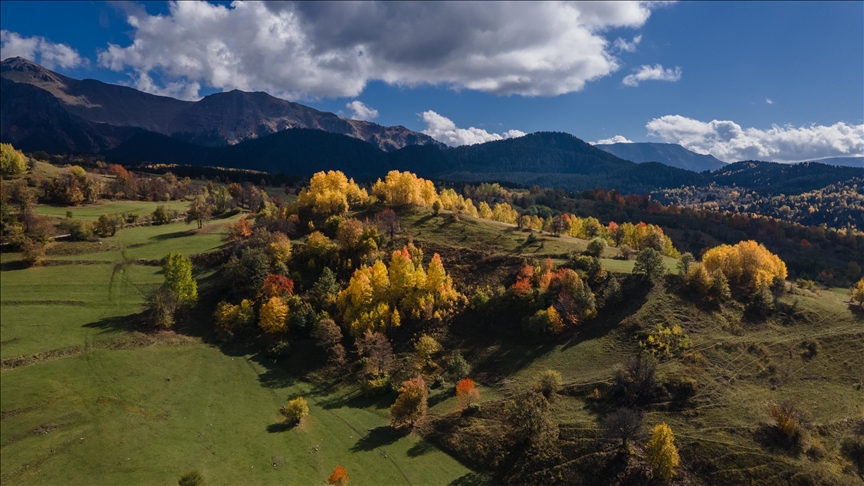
(361, 111)
(625, 46)
(615, 139)
(769, 101)
(652, 73)
(323, 49)
(183, 91)
(445, 131)
(727, 141)
(39, 50)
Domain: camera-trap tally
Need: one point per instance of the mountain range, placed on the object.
(41, 110)
(92, 116)
(665, 153)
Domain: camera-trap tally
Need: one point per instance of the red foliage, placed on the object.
(275, 285)
(523, 285)
(467, 392)
(240, 230)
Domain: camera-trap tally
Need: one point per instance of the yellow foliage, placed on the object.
(331, 193)
(484, 211)
(405, 188)
(698, 279)
(858, 292)
(279, 248)
(375, 295)
(556, 323)
(661, 453)
(229, 317)
(747, 265)
(504, 213)
(273, 315)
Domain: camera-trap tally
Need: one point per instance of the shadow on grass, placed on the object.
(471, 479)
(420, 448)
(438, 398)
(423, 220)
(280, 427)
(378, 437)
(131, 322)
(171, 236)
(359, 401)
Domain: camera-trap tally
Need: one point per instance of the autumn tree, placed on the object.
(405, 188)
(339, 477)
(328, 337)
(596, 247)
(424, 348)
(199, 210)
(295, 411)
(389, 221)
(178, 278)
(857, 293)
(160, 308)
(230, 317)
(467, 393)
(377, 353)
(661, 453)
(331, 193)
(279, 250)
(411, 404)
(12, 162)
(277, 285)
(107, 225)
(747, 265)
(273, 315)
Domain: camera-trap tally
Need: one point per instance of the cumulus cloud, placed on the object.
(727, 141)
(625, 46)
(183, 91)
(360, 111)
(652, 73)
(39, 50)
(615, 139)
(332, 49)
(445, 131)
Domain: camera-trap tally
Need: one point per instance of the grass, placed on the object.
(91, 212)
(114, 411)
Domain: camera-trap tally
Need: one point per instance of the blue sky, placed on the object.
(768, 80)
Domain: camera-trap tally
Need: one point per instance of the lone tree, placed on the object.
(624, 424)
(411, 404)
(200, 210)
(467, 393)
(295, 410)
(178, 279)
(649, 262)
(548, 383)
(661, 453)
(596, 247)
(339, 477)
(858, 293)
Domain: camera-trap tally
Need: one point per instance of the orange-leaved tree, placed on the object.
(411, 404)
(339, 476)
(467, 393)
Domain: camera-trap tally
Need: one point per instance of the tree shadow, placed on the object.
(280, 427)
(472, 479)
(358, 401)
(438, 398)
(131, 322)
(423, 220)
(421, 447)
(171, 236)
(378, 437)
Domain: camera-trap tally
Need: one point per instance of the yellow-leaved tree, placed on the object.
(273, 315)
(405, 188)
(331, 193)
(661, 453)
(747, 265)
(378, 298)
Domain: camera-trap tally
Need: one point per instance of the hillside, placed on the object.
(216, 120)
(775, 178)
(665, 153)
(85, 366)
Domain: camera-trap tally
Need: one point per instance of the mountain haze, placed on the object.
(666, 153)
(219, 119)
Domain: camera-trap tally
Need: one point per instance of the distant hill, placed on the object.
(843, 161)
(776, 178)
(665, 153)
(551, 159)
(216, 120)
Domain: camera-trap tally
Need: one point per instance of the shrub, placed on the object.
(295, 410)
(596, 247)
(33, 252)
(375, 386)
(548, 383)
(339, 477)
(160, 308)
(661, 453)
(457, 367)
(636, 381)
(666, 341)
(786, 421)
(191, 478)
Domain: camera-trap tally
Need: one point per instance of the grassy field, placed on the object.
(102, 404)
(91, 212)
